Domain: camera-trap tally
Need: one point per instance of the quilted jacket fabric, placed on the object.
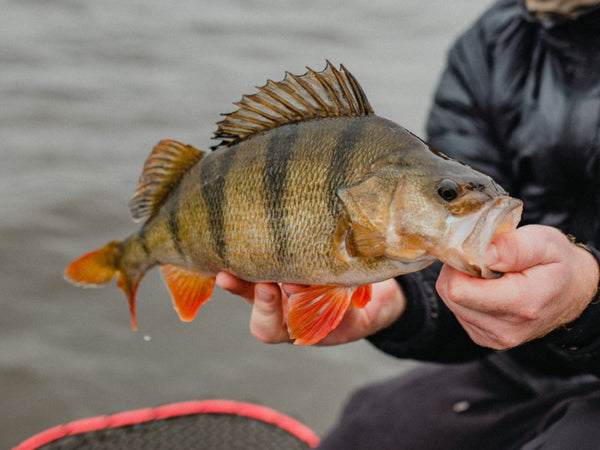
(519, 100)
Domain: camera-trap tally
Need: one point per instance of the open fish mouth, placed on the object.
(470, 236)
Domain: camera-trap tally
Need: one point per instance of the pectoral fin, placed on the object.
(406, 248)
(363, 241)
(189, 290)
(317, 310)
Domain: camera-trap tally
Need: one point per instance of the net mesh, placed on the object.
(197, 431)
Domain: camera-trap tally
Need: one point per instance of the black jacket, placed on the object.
(519, 100)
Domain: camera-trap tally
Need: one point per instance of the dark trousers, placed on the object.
(474, 405)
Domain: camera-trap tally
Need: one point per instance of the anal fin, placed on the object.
(315, 311)
(189, 290)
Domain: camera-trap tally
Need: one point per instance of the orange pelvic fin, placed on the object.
(361, 296)
(189, 290)
(316, 310)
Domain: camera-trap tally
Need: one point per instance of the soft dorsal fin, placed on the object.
(329, 93)
(163, 169)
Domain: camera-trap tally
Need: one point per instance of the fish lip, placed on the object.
(502, 216)
(469, 237)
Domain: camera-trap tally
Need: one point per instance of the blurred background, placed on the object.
(86, 90)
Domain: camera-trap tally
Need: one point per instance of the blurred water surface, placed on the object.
(86, 90)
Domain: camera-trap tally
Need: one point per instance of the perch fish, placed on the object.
(306, 185)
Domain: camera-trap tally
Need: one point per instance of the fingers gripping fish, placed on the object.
(307, 185)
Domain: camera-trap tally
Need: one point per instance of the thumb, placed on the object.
(523, 248)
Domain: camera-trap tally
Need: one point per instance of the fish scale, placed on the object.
(308, 186)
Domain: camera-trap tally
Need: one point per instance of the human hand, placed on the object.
(267, 320)
(548, 281)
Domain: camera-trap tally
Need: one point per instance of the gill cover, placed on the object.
(374, 229)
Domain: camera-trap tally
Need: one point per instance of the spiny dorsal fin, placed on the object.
(163, 169)
(328, 93)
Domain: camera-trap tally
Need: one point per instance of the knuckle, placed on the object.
(556, 243)
(507, 341)
(478, 338)
(494, 345)
(528, 313)
(486, 341)
(498, 340)
(450, 291)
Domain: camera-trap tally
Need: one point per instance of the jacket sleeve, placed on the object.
(579, 341)
(459, 125)
(427, 331)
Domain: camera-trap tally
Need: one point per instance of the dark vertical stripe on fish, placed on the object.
(214, 173)
(173, 222)
(142, 237)
(274, 181)
(342, 156)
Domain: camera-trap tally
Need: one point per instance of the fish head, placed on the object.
(456, 211)
(415, 213)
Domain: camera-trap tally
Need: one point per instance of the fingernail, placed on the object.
(491, 256)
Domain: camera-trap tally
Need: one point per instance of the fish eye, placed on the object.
(448, 190)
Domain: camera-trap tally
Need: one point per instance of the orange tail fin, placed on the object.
(317, 310)
(97, 268)
(189, 290)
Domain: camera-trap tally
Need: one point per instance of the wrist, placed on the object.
(586, 278)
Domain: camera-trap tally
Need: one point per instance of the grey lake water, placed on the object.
(86, 89)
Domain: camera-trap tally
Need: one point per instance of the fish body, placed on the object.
(307, 186)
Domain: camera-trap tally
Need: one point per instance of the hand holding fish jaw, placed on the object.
(547, 282)
(267, 321)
